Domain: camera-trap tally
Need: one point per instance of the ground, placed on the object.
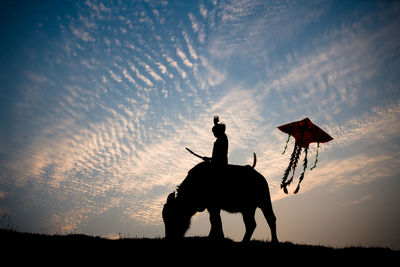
(77, 248)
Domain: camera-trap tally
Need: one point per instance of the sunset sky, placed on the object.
(98, 100)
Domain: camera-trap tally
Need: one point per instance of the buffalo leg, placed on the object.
(271, 219)
(216, 224)
(249, 222)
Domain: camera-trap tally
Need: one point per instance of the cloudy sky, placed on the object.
(99, 99)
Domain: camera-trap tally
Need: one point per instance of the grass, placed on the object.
(78, 246)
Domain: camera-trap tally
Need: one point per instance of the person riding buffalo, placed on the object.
(220, 149)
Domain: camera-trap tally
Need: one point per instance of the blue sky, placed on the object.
(99, 99)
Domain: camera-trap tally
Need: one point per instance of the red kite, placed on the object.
(304, 132)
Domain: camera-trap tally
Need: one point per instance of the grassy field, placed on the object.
(45, 248)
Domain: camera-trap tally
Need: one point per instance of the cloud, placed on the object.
(358, 201)
(87, 159)
(38, 78)
(214, 77)
(90, 25)
(115, 76)
(256, 28)
(151, 72)
(197, 28)
(195, 25)
(184, 58)
(378, 126)
(82, 34)
(356, 169)
(340, 71)
(203, 11)
(175, 65)
(140, 76)
(162, 68)
(129, 77)
(191, 49)
(97, 8)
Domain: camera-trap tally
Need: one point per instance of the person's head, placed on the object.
(219, 128)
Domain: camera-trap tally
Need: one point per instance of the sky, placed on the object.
(98, 100)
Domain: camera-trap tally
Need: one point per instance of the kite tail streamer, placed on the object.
(285, 183)
(316, 159)
(296, 159)
(305, 162)
(287, 171)
(287, 141)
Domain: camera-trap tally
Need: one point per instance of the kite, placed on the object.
(304, 133)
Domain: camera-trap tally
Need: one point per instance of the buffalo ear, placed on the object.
(171, 198)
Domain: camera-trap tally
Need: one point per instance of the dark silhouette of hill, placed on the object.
(41, 248)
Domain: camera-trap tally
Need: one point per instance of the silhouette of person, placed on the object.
(220, 149)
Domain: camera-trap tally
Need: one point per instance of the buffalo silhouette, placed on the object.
(232, 188)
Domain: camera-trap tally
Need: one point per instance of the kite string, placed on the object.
(287, 141)
(316, 159)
